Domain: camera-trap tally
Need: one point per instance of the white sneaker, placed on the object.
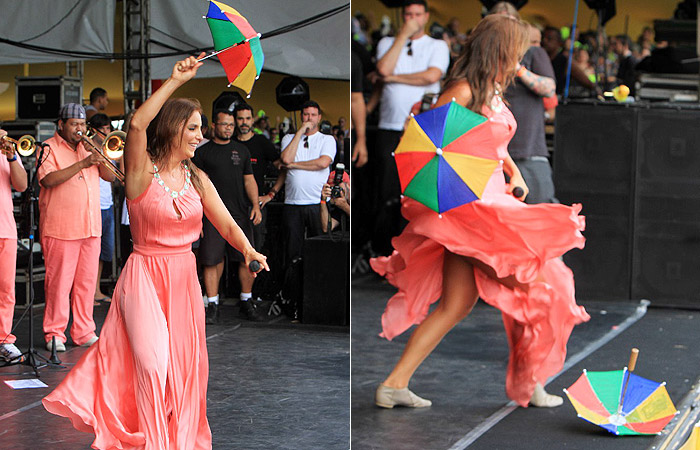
(60, 346)
(91, 341)
(9, 352)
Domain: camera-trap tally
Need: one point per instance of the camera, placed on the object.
(336, 189)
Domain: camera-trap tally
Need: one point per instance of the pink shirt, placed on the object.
(8, 228)
(70, 210)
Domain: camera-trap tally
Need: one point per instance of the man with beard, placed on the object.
(262, 154)
(227, 163)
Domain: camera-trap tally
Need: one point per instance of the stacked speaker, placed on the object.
(635, 170)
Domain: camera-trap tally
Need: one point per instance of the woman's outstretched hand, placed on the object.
(186, 69)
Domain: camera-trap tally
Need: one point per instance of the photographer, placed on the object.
(335, 199)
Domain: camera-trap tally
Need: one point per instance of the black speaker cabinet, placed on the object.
(665, 266)
(42, 97)
(594, 165)
(326, 281)
(594, 148)
(667, 207)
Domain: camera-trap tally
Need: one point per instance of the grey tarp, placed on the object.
(83, 25)
(319, 50)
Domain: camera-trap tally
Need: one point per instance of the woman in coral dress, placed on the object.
(143, 386)
(497, 248)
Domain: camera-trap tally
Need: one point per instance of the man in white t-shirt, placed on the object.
(307, 156)
(410, 65)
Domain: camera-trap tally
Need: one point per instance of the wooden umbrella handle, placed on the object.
(633, 359)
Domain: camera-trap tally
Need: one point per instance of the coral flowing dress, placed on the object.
(143, 384)
(511, 237)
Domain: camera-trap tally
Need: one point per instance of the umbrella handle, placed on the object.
(633, 359)
(630, 369)
(224, 49)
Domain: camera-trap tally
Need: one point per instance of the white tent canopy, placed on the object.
(82, 26)
(318, 50)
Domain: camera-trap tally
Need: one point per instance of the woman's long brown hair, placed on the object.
(496, 44)
(166, 129)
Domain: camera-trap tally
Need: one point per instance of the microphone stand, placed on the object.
(31, 357)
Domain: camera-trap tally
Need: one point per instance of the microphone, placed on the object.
(254, 266)
(40, 158)
(518, 192)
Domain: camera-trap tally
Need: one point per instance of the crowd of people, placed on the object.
(79, 197)
(400, 69)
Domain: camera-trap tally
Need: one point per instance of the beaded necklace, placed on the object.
(173, 193)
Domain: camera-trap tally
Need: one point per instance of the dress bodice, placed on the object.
(159, 220)
(503, 126)
(500, 130)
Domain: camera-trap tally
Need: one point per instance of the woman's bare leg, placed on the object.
(459, 295)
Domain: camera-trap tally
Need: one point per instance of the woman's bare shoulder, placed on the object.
(459, 91)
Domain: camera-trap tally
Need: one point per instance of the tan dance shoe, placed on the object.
(388, 397)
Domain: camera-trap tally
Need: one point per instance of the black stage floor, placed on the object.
(274, 385)
(465, 376)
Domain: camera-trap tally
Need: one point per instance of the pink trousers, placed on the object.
(71, 276)
(8, 264)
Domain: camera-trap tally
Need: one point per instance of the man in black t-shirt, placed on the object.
(262, 155)
(228, 165)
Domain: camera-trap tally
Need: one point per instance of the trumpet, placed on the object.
(113, 146)
(25, 146)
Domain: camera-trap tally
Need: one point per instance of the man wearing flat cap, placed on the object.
(70, 225)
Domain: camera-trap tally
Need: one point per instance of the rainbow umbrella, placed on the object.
(443, 159)
(236, 44)
(622, 402)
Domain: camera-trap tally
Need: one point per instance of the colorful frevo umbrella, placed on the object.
(236, 44)
(443, 159)
(622, 402)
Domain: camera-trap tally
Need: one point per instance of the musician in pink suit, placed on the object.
(70, 224)
(12, 174)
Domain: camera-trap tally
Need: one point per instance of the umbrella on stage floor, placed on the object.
(622, 402)
(442, 158)
(236, 44)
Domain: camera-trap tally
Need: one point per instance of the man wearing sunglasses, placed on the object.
(306, 155)
(409, 65)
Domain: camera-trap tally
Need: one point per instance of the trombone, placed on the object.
(112, 145)
(25, 146)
